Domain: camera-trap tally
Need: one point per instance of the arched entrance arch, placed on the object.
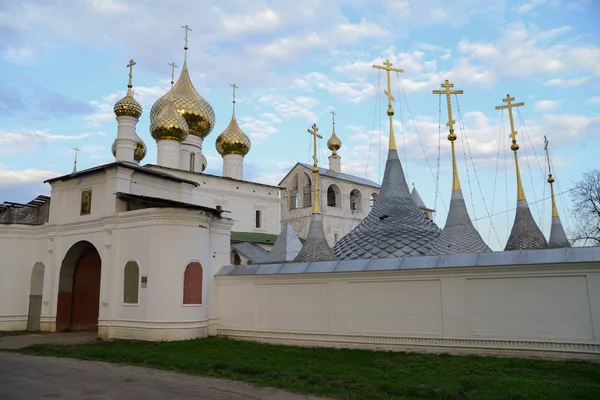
(79, 288)
(36, 287)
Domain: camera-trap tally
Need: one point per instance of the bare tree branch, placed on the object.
(586, 208)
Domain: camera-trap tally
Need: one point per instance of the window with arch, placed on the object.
(192, 162)
(373, 199)
(355, 200)
(294, 201)
(192, 284)
(306, 191)
(334, 198)
(131, 283)
(258, 217)
(235, 258)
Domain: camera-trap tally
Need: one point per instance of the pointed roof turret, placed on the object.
(417, 199)
(286, 247)
(396, 226)
(558, 238)
(459, 235)
(315, 246)
(525, 233)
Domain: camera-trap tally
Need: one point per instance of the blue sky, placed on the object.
(63, 67)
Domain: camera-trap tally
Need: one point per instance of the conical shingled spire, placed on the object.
(557, 233)
(525, 233)
(286, 247)
(395, 227)
(459, 235)
(315, 246)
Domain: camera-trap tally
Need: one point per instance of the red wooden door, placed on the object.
(86, 292)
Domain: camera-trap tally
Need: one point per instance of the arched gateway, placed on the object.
(79, 289)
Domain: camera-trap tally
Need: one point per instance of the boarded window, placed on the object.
(192, 284)
(192, 162)
(131, 283)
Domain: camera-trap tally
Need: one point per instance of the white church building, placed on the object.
(144, 252)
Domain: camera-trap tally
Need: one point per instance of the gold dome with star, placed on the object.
(168, 124)
(195, 110)
(139, 151)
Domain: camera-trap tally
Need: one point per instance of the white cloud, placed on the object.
(258, 129)
(23, 141)
(593, 100)
(573, 82)
(250, 23)
(300, 107)
(546, 105)
(22, 56)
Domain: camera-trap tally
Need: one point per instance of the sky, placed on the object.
(63, 66)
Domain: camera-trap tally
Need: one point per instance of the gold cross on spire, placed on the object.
(451, 136)
(513, 135)
(76, 149)
(130, 66)
(187, 28)
(333, 116)
(173, 66)
(234, 86)
(387, 66)
(510, 106)
(314, 131)
(550, 179)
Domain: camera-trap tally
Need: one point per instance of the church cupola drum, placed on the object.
(334, 144)
(233, 144)
(395, 226)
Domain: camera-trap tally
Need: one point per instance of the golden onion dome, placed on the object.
(204, 162)
(128, 106)
(233, 140)
(334, 143)
(168, 124)
(139, 151)
(196, 111)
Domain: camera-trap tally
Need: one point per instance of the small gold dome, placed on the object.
(334, 143)
(128, 106)
(204, 162)
(233, 140)
(139, 151)
(169, 125)
(196, 111)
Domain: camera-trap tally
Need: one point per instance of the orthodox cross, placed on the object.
(187, 28)
(547, 156)
(76, 149)
(509, 105)
(387, 66)
(234, 86)
(130, 66)
(333, 116)
(173, 66)
(315, 169)
(550, 179)
(447, 85)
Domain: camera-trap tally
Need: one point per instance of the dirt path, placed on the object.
(20, 341)
(25, 377)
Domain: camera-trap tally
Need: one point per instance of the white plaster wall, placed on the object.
(240, 198)
(20, 248)
(477, 309)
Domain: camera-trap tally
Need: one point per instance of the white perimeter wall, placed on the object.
(554, 309)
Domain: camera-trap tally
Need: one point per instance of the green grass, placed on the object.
(351, 374)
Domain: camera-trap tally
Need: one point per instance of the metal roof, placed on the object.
(525, 233)
(337, 175)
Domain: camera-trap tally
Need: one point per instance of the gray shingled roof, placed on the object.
(525, 234)
(315, 246)
(251, 251)
(395, 226)
(286, 247)
(340, 175)
(557, 234)
(524, 259)
(418, 200)
(459, 235)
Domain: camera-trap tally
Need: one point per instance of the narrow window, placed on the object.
(335, 237)
(192, 162)
(192, 284)
(331, 197)
(131, 283)
(258, 221)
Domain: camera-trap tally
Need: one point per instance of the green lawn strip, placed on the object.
(350, 374)
(19, 333)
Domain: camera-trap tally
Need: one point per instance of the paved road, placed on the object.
(28, 377)
(20, 341)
